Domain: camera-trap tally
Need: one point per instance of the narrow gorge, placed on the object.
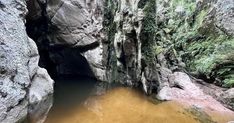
(121, 61)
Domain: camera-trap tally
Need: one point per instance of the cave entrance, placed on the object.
(74, 79)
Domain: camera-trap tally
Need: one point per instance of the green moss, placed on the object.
(199, 19)
(229, 81)
(148, 32)
(158, 49)
(110, 29)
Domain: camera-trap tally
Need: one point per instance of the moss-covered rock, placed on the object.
(193, 31)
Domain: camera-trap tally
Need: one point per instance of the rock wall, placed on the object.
(110, 36)
(19, 71)
(79, 25)
(69, 27)
(131, 29)
(126, 43)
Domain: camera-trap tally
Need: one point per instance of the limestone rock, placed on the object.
(219, 17)
(127, 43)
(78, 23)
(95, 59)
(40, 96)
(229, 94)
(224, 16)
(75, 26)
(18, 61)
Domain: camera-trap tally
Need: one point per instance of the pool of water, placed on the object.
(74, 103)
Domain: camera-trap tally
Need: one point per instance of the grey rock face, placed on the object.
(18, 62)
(127, 43)
(225, 16)
(75, 25)
(78, 23)
(219, 17)
(40, 96)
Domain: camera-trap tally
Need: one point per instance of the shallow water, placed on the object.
(123, 105)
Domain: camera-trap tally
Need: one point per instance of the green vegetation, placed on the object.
(205, 50)
(148, 32)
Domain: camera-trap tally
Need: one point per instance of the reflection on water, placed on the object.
(119, 105)
(71, 91)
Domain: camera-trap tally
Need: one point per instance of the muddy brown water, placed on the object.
(121, 105)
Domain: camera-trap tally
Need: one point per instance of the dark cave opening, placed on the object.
(59, 60)
(74, 79)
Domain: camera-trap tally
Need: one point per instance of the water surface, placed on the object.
(122, 105)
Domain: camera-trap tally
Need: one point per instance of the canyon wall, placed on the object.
(141, 43)
(136, 42)
(108, 34)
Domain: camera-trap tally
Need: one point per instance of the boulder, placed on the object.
(183, 90)
(40, 96)
(77, 23)
(180, 86)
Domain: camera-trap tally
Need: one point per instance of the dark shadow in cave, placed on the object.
(74, 79)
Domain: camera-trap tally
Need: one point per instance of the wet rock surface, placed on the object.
(182, 89)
